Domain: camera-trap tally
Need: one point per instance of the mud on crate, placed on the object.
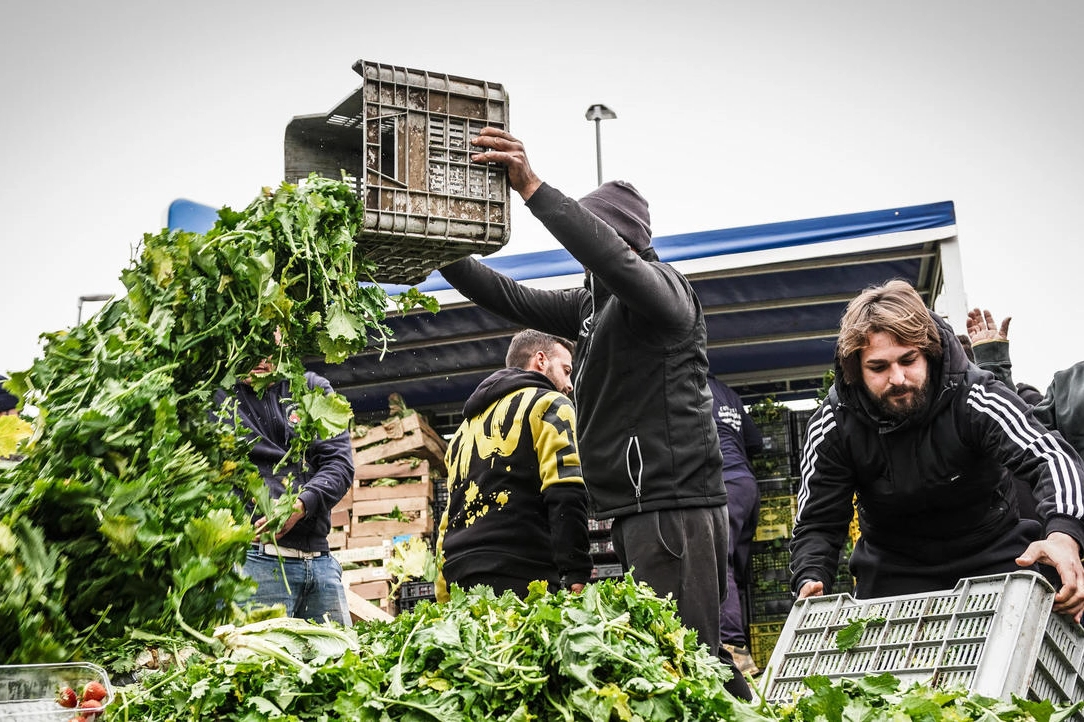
(403, 140)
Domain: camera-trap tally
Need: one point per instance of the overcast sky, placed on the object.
(729, 114)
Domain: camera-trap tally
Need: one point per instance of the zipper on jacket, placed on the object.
(589, 322)
(637, 480)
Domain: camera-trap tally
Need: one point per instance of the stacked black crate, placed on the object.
(413, 593)
(768, 598)
(440, 503)
(767, 594)
(603, 557)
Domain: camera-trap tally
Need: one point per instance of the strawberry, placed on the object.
(65, 697)
(94, 691)
(90, 708)
(78, 718)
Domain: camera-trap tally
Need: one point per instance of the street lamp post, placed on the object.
(92, 297)
(599, 113)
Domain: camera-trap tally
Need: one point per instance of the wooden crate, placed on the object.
(413, 497)
(400, 437)
(364, 610)
(372, 572)
(376, 592)
(415, 509)
(336, 539)
(412, 477)
(356, 551)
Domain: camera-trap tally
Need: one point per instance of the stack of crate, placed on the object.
(603, 557)
(397, 467)
(768, 598)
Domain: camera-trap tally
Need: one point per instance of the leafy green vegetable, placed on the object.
(851, 634)
(127, 510)
(883, 697)
(613, 652)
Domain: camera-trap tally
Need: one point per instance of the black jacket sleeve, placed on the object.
(825, 504)
(553, 312)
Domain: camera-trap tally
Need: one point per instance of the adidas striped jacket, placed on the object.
(929, 488)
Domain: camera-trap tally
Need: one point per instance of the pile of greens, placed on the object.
(125, 516)
(612, 652)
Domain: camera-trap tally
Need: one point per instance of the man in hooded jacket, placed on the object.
(517, 506)
(922, 436)
(648, 444)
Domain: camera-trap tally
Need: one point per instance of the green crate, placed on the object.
(762, 640)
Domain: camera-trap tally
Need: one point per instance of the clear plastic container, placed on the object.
(28, 692)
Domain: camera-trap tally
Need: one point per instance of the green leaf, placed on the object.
(849, 636)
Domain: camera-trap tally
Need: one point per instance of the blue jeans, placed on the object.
(311, 589)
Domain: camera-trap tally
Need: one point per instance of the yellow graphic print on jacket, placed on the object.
(517, 504)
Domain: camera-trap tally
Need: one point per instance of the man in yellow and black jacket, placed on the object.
(517, 504)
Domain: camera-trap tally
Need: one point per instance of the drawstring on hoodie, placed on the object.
(637, 481)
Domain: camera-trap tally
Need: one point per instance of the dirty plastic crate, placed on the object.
(28, 691)
(413, 593)
(993, 635)
(778, 507)
(403, 140)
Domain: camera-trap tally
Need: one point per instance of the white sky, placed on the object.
(729, 114)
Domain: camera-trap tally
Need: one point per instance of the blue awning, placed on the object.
(773, 295)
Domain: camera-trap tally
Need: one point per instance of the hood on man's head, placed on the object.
(622, 207)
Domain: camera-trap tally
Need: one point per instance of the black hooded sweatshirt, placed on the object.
(517, 504)
(929, 487)
(647, 436)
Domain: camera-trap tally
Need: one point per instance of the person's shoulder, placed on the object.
(551, 401)
(1075, 372)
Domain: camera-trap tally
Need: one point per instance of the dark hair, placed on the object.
(965, 341)
(894, 308)
(527, 343)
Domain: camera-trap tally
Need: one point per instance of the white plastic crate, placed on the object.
(993, 635)
(28, 691)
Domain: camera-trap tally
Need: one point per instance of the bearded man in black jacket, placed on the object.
(922, 437)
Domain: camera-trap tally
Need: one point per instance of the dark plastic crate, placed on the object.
(769, 565)
(408, 605)
(403, 140)
(798, 420)
(599, 525)
(413, 593)
(769, 606)
(607, 571)
(416, 589)
(776, 436)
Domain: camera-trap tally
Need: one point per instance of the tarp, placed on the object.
(772, 294)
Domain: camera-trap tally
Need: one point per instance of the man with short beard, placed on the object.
(920, 437)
